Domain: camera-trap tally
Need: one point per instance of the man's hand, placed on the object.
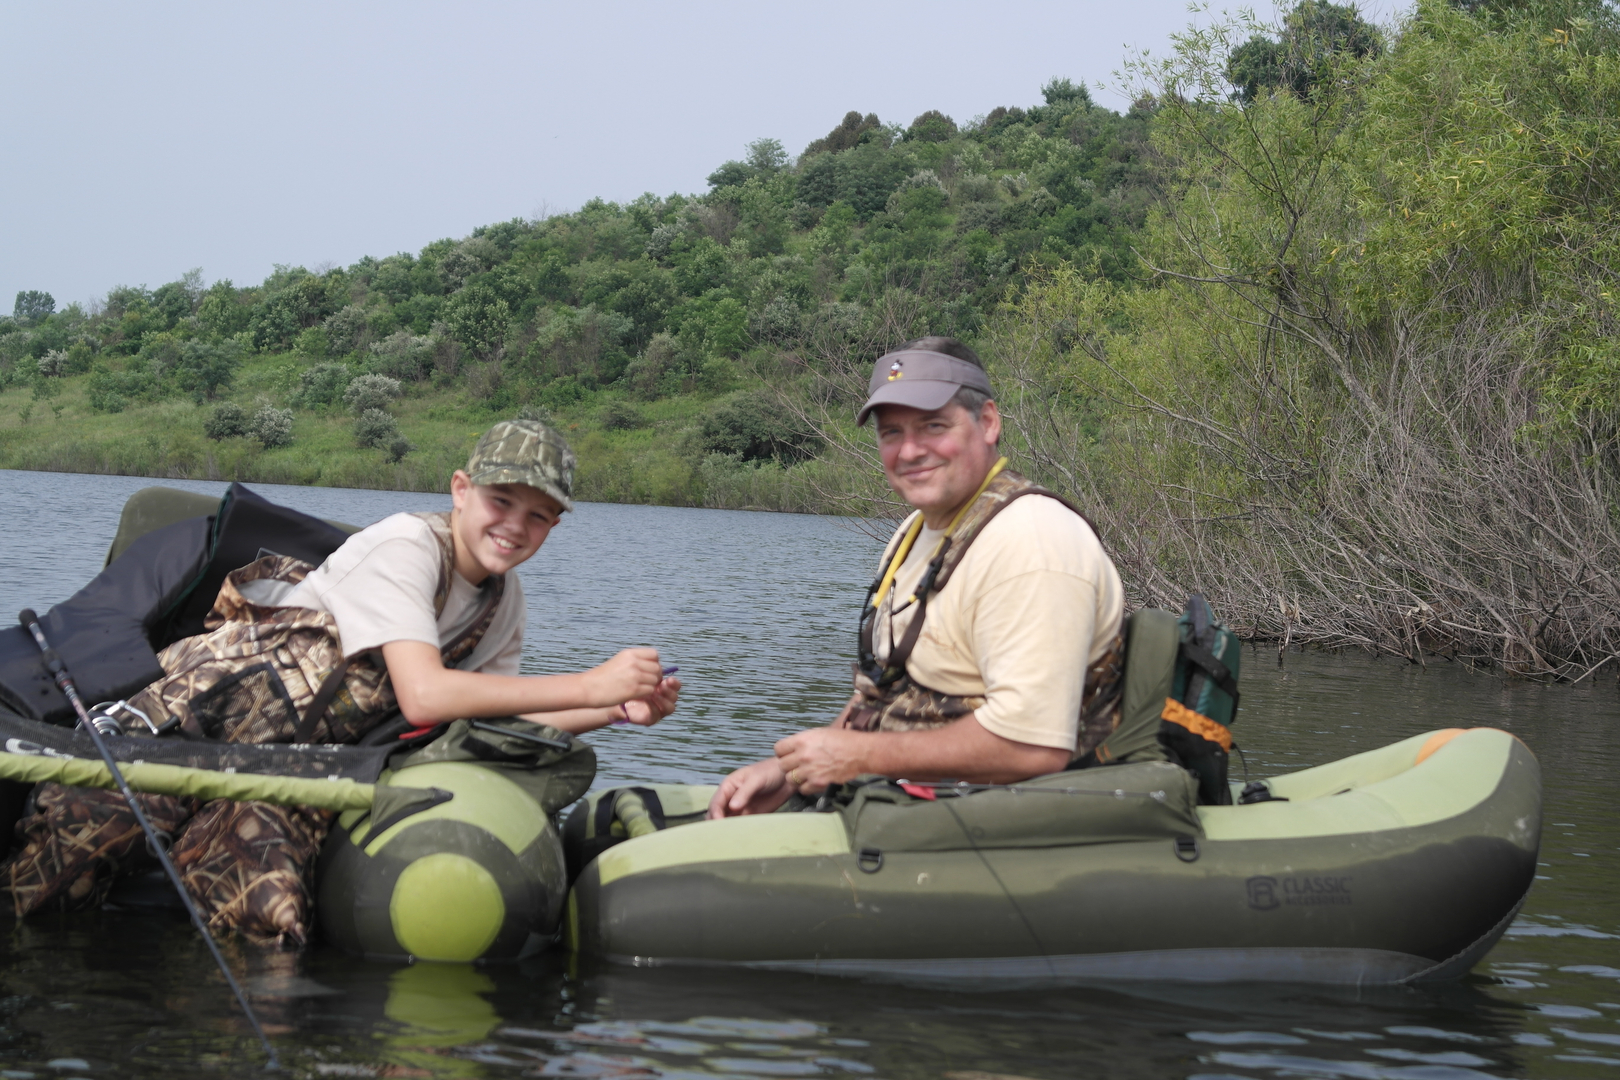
(631, 674)
(813, 759)
(753, 789)
(647, 711)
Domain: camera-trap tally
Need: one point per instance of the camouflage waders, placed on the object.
(260, 674)
(889, 699)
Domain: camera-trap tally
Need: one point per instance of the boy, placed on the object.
(459, 657)
(418, 613)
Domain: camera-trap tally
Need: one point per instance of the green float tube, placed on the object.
(1403, 864)
(476, 874)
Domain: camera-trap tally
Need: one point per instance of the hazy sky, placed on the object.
(146, 139)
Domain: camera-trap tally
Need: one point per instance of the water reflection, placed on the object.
(755, 608)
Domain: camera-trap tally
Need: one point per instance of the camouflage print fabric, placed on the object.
(1102, 698)
(248, 866)
(525, 452)
(77, 841)
(250, 679)
(906, 705)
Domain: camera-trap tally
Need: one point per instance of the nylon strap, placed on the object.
(1197, 723)
(321, 701)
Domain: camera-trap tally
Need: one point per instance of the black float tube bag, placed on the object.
(163, 574)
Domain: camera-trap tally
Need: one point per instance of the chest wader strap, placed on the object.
(937, 576)
(321, 702)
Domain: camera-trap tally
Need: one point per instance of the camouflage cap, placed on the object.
(525, 452)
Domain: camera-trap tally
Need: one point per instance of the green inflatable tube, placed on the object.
(1403, 864)
(478, 876)
(330, 793)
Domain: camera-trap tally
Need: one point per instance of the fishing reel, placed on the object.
(103, 717)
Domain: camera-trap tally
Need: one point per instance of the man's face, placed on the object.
(937, 460)
(498, 526)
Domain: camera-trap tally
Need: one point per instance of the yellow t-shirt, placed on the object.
(1032, 604)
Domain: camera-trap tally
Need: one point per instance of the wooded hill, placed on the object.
(650, 329)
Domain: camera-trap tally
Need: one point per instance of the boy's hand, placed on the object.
(647, 711)
(632, 674)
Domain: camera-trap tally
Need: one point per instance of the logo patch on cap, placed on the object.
(894, 371)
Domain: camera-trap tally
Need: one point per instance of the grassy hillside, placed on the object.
(647, 453)
(679, 340)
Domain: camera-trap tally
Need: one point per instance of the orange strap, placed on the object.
(1197, 723)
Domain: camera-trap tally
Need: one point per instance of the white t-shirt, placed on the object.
(379, 587)
(1033, 602)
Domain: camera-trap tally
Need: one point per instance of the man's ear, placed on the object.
(460, 485)
(990, 421)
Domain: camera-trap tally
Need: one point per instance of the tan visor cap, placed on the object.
(920, 379)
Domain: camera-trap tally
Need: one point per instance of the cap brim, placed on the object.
(507, 475)
(924, 394)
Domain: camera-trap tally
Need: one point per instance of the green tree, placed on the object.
(33, 306)
(932, 126)
(204, 369)
(1065, 94)
(478, 318)
(854, 130)
(1315, 36)
(221, 312)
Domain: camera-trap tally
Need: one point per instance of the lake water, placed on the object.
(758, 611)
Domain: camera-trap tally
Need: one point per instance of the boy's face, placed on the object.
(498, 526)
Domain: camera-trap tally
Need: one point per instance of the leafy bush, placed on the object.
(753, 427)
(346, 331)
(396, 449)
(312, 344)
(374, 427)
(227, 421)
(584, 343)
(111, 391)
(778, 321)
(53, 364)
(620, 415)
(403, 355)
(323, 384)
(563, 392)
(78, 358)
(272, 426)
(369, 393)
(477, 318)
(853, 131)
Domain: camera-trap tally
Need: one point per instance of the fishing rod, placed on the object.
(963, 787)
(64, 681)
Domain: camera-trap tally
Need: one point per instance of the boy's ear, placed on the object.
(460, 485)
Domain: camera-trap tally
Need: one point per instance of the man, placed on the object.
(990, 645)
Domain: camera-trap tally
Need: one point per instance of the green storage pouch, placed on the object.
(1147, 801)
(554, 767)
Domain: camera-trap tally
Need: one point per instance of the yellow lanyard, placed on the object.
(916, 530)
